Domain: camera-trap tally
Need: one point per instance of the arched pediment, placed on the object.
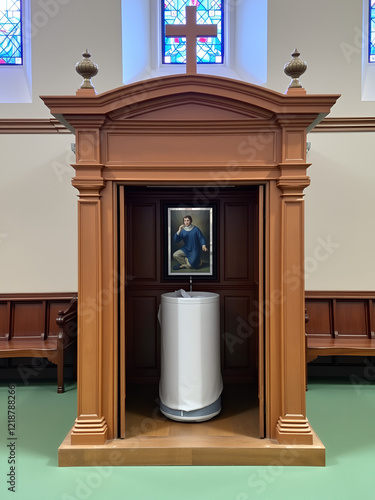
(188, 97)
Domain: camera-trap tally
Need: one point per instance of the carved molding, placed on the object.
(89, 431)
(294, 431)
(32, 126)
(352, 124)
(293, 187)
(53, 126)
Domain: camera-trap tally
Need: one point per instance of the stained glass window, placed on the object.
(209, 49)
(10, 32)
(372, 31)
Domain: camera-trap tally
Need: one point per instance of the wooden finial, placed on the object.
(295, 68)
(87, 69)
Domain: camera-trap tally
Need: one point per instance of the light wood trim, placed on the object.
(231, 438)
(122, 382)
(261, 347)
(135, 157)
(292, 425)
(90, 426)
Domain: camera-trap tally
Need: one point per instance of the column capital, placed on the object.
(293, 186)
(88, 187)
(88, 180)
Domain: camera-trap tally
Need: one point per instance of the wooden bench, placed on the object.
(349, 346)
(340, 324)
(49, 344)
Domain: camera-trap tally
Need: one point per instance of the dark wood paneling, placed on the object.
(29, 319)
(142, 241)
(340, 314)
(28, 331)
(236, 242)
(320, 317)
(236, 212)
(351, 318)
(31, 315)
(4, 319)
(144, 329)
(237, 332)
(142, 349)
(351, 325)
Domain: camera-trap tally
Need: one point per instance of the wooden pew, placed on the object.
(340, 324)
(47, 344)
(350, 346)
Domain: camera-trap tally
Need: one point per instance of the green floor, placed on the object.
(341, 412)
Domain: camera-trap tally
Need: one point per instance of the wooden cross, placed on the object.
(191, 30)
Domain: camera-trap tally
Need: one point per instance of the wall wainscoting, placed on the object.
(340, 315)
(31, 316)
(331, 314)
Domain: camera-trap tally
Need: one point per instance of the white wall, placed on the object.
(38, 204)
(340, 208)
(38, 222)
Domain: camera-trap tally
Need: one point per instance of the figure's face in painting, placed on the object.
(187, 221)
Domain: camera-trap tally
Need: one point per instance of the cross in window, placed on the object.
(191, 30)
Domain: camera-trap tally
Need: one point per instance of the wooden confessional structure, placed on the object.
(212, 135)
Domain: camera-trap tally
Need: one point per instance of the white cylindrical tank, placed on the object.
(190, 380)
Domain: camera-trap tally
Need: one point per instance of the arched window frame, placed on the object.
(245, 43)
(12, 38)
(17, 79)
(209, 49)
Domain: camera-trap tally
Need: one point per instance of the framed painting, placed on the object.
(190, 241)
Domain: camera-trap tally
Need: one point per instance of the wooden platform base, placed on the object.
(231, 438)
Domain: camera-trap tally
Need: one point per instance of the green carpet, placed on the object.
(341, 412)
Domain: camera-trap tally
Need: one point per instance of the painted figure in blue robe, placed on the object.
(189, 255)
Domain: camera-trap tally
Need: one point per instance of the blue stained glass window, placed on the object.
(372, 32)
(10, 32)
(209, 49)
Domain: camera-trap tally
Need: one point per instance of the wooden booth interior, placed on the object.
(238, 279)
(191, 141)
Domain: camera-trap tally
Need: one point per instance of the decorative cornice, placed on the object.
(32, 126)
(53, 126)
(351, 124)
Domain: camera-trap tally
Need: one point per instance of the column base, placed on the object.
(293, 431)
(89, 431)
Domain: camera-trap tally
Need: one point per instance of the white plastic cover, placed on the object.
(190, 350)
